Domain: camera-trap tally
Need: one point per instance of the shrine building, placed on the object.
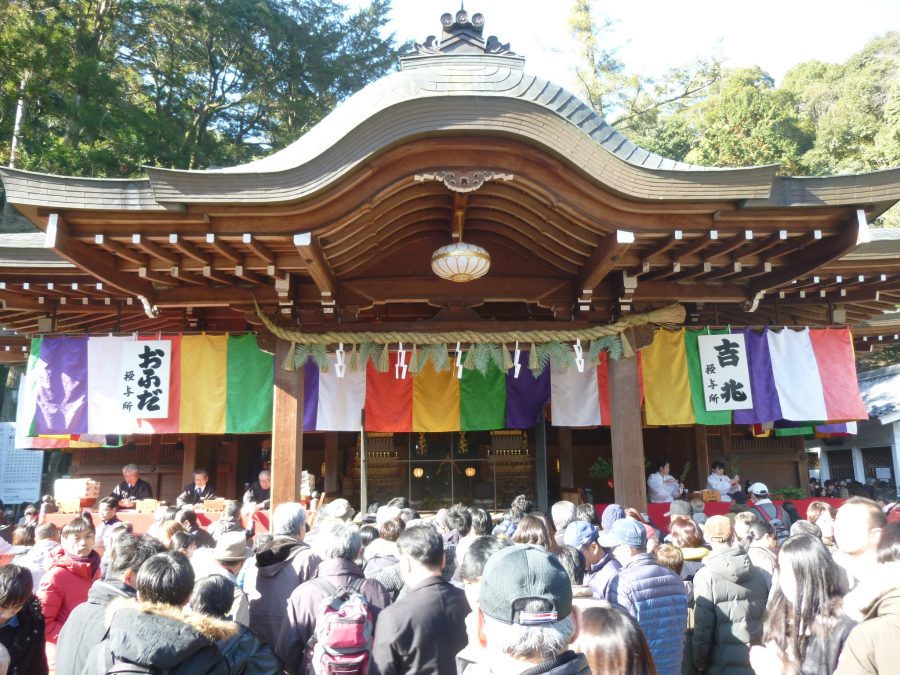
(460, 286)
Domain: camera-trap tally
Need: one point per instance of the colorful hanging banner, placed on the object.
(223, 384)
(123, 385)
(726, 376)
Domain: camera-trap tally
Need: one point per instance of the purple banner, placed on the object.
(766, 405)
(62, 386)
(310, 395)
(526, 396)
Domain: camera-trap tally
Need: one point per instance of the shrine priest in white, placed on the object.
(132, 488)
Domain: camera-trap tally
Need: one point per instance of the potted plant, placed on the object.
(602, 468)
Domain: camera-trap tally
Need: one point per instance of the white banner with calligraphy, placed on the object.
(144, 378)
(725, 371)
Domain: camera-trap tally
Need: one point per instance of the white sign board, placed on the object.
(144, 378)
(726, 375)
(20, 470)
(882, 473)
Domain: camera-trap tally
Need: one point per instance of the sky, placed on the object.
(652, 36)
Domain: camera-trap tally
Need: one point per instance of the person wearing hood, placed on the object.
(729, 605)
(85, 628)
(46, 539)
(154, 632)
(600, 565)
(244, 654)
(281, 566)
(71, 569)
(870, 647)
(336, 570)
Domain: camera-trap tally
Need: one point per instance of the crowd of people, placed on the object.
(387, 591)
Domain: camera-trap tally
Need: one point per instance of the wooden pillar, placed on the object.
(287, 429)
(189, 458)
(540, 455)
(331, 462)
(627, 433)
(701, 456)
(566, 459)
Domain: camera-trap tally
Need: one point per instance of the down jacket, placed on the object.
(729, 603)
(161, 637)
(64, 586)
(657, 598)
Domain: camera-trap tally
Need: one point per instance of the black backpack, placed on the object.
(776, 521)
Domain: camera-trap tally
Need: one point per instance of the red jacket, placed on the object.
(63, 587)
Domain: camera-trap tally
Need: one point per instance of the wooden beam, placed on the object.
(815, 255)
(316, 264)
(261, 250)
(241, 271)
(698, 291)
(99, 265)
(121, 250)
(603, 260)
(188, 249)
(438, 291)
(213, 297)
(155, 250)
(627, 434)
(223, 249)
(287, 430)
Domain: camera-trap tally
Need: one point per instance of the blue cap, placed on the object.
(626, 531)
(580, 533)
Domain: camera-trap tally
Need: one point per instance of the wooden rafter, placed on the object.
(101, 265)
(121, 250)
(317, 264)
(190, 250)
(223, 249)
(155, 249)
(815, 255)
(603, 260)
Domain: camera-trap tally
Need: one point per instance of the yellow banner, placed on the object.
(204, 383)
(436, 400)
(667, 388)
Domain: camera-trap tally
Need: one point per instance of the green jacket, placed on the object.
(729, 603)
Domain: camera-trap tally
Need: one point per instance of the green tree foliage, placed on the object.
(823, 118)
(111, 85)
(746, 121)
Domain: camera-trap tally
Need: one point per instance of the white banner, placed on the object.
(725, 372)
(144, 378)
(20, 470)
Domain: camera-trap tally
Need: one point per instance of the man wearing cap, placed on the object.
(424, 630)
(524, 615)
(769, 512)
(600, 566)
(729, 604)
(654, 595)
(230, 553)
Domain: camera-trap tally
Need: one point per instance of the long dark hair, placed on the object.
(613, 643)
(816, 607)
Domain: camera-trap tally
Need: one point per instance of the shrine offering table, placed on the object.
(657, 511)
(142, 521)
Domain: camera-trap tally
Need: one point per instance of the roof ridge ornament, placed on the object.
(462, 35)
